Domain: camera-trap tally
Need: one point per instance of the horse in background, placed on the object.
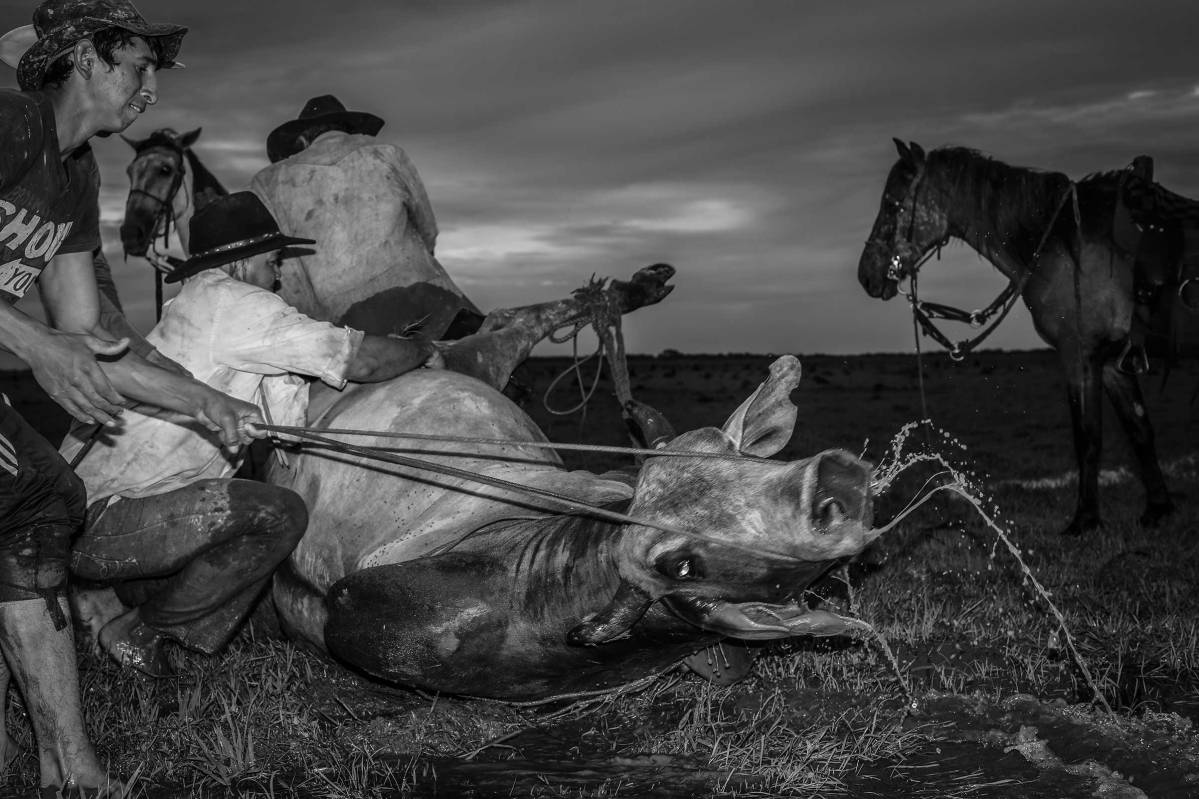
(1053, 239)
(167, 185)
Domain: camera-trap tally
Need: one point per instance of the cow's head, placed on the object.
(743, 537)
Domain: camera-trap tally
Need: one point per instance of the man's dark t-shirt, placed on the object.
(48, 206)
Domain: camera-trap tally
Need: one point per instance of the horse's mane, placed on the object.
(205, 186)
(993, 198)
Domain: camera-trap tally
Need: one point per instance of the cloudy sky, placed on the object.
(745, 142)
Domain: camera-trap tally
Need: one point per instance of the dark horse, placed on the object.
(167, 186)
(1052, 237)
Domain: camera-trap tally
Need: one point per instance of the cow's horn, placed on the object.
(626, 608)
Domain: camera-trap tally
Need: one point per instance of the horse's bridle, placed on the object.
(895, 270)
(165, 213)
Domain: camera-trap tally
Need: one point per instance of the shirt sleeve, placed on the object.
(22, 136)
(259, 332)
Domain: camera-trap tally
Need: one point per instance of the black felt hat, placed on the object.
(284, 140)
(59, 24)
(229, 229)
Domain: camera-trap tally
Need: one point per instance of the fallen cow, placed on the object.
(444, 583)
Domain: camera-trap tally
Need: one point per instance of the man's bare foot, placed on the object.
(92, 609)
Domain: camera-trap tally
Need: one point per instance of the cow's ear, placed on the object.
(763, 424)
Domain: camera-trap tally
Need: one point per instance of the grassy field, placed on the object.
(979, 691)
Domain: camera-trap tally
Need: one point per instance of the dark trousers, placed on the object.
(192, 560)
(41, 506)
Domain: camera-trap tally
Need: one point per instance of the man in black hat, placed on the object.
(85, 67)
(332, 180)
(188, 547)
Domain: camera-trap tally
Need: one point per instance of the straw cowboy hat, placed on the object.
(59, 24)
(229, 229)
(284, 140)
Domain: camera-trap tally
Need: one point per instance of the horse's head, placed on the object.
(737, 541)
(155, 176)
(910, 224)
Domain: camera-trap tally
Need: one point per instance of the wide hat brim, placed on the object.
(227, 254)
(30, 56)
(284, 141)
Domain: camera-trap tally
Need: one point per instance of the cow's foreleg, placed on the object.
(508, 335)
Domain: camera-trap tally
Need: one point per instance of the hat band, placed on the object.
(237, 245)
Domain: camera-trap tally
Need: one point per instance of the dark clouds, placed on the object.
(744, 141)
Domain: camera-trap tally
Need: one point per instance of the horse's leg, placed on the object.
(508, 335)
(1086, 415)
(1125, 393)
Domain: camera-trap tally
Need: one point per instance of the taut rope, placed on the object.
(571, 503)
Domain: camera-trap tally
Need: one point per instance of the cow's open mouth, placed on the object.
(762, 621)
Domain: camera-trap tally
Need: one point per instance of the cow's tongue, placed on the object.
(759, 621)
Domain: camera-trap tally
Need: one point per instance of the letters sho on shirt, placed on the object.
(48, 206)
(239, 339)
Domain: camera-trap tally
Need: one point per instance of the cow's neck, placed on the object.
(568, 560)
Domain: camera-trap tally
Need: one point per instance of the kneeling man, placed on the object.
(187, 547)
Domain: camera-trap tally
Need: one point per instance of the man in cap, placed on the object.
(330, 179)
(187, 547)
(85, 67)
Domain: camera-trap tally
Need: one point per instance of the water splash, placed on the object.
(956, 479)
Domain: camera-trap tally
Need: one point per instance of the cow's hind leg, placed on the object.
(1124, 391)
(508, 335)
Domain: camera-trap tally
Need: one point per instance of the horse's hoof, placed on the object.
(1082, 526)
(1155, 512)
(724, 663)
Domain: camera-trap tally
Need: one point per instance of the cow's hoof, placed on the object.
(1155, 512)
(646, 287)
(133, 645)
(724, 663)
(1082, 525)
(648, 427)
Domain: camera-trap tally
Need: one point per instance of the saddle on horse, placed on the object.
(1162, 228)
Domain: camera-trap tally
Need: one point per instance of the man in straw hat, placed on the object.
(163, 500)
(330, 179)
(85, 68)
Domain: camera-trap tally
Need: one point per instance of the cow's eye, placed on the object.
(680, 566)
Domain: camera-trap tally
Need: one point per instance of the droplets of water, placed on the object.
(956, 479)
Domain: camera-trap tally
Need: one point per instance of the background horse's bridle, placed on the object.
(163, 263)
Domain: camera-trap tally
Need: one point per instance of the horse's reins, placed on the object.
(925, 312)
(572, 504)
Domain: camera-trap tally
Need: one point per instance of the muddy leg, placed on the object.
(508, 335)
(42, 659)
